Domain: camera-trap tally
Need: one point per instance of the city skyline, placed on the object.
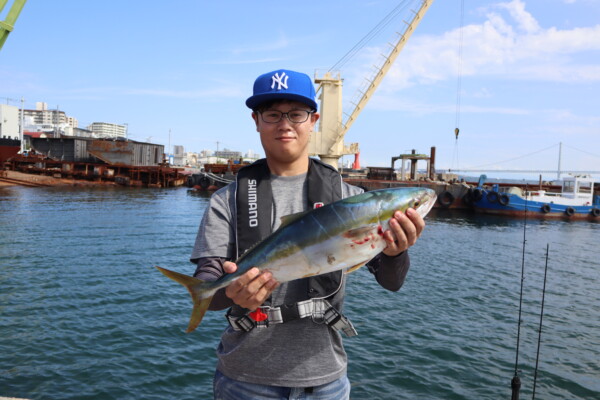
(524, 80)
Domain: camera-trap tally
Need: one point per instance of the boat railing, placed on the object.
(537, 193)
(217, 178)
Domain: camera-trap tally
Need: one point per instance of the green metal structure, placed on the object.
(8, 24)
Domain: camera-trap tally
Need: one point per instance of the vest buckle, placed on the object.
(319, 310)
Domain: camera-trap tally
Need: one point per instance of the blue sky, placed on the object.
(530, 73)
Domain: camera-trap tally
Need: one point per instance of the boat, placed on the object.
(8, 148)
(579, 198)
(215, 176)
(120, 161)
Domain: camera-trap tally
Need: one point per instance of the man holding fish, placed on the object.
(284, 295)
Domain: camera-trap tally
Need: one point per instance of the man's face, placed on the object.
(285, 141)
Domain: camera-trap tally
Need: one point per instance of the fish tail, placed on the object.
(200, 303)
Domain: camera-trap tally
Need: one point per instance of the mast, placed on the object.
(559, 160)
(21, 137)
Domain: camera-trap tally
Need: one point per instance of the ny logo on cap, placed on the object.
(281, 81)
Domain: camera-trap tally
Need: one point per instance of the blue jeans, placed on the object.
(230, 389)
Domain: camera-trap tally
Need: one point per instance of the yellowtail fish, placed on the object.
(345, 234)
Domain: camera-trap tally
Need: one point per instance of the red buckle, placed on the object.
(258, 315)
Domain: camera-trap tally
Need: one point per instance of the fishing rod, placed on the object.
(515, 383)
(537, 357)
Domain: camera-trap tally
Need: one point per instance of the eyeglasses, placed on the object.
(294, 116)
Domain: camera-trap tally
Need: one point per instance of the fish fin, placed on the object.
(198, 312)
(356, 267)
(288, 219)
(360, 232)
(285, 220)
(185, 280)
(200, 304)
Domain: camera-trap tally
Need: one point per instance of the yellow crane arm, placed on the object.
(8, 24)
(366, 95)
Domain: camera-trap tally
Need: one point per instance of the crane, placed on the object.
(328, 141)
(8, 24)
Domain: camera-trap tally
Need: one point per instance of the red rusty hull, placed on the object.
(126, 175)
(449, 195)
(8, 149)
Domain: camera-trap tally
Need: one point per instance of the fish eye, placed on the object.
(416, 204)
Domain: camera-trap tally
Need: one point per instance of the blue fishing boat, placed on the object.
(576, 200)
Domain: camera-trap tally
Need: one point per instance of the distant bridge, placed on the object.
(558, 171)
(526, 171)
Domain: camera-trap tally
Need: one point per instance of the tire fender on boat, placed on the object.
(204, 182)
(467, 199)
(503, 200)
(546, 208)
(446, 199)
(569, 211)
(477, 195)
(492, 197)
(595, 212)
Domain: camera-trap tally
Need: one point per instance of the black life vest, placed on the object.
(254, 204)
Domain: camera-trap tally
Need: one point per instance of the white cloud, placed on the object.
(516, 8)
(510, 43)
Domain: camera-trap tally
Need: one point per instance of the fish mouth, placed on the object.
(427, 202)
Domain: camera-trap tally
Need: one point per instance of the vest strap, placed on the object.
(319, 310)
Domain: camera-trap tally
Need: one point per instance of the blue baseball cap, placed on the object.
(283, 84)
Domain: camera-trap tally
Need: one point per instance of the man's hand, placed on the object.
(403, 232)
(251, 289)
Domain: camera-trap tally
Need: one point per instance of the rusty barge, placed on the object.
(452, 192)
(106, 161)
(8, 148)
(449, 190)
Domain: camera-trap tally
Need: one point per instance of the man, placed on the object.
(279, 343)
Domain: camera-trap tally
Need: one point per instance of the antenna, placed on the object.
(515, 383)
(537, 357)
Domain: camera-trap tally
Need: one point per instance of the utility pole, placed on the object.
(8, 99)
(55, 120)
(559, 157)
(21, 137)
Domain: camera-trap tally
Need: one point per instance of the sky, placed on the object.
(519, 78)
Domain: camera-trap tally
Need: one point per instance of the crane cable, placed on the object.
(459, 81)
(369, 36)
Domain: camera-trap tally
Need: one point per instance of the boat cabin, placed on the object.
(578, 186)
(576, 190)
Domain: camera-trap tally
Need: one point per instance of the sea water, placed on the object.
(84, 315)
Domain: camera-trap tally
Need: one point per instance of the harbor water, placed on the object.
(84, 315)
